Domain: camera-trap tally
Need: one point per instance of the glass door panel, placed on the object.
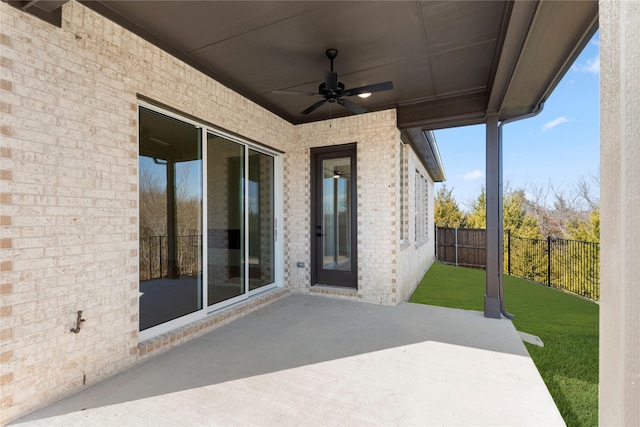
(170, 185)
(225, 219)
(336, 214)
(261, 220)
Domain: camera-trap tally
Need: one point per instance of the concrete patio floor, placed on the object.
(309, 360)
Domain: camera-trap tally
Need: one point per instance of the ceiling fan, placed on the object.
(333, 91)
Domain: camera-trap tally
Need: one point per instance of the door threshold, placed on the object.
(333, 290)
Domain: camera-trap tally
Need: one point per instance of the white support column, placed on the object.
(620, 205)
(492, 305)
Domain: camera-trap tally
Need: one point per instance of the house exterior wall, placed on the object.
(414, 256)
(69, 194)
(375, 135)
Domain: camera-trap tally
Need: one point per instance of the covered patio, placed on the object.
(71, 91)
(313, 360)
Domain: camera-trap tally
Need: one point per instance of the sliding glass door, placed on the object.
(240, 219)
(225, 219)
(224, 186)
(261, 220)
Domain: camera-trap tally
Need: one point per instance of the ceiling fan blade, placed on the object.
(294, 92)
(377, 87)
(331, 80)
(314, 106)
(353, 107)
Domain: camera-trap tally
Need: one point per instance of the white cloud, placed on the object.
(592, 65)
(553, 123)
(595, 42)
(473, 175)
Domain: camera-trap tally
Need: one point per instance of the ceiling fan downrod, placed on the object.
(331, 54)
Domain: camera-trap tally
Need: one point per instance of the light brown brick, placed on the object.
(6, 334)
(6, 311)
(5, 152)
(6, 130)
(6, 288)
(6, 63)
(6, 379)
(6, 85)
(6, 243)
(4, 219)
(6, 266)
(6, 402)
(5, 356)
(5, 40)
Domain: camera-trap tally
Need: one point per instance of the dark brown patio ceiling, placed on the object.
(450, 62)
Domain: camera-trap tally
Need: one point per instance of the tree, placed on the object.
(588, 231)
(477, 218)
(567, 211)
(153, 199)
(516, 218)
(447, 213)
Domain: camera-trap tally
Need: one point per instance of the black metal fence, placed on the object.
(570, 265)
(154, 255)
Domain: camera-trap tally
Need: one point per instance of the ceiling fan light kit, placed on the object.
(333, 91)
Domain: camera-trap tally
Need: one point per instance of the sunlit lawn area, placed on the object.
(568, 326)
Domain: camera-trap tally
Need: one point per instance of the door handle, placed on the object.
(320, 234)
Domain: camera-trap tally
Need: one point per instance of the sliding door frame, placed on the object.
(278, 264)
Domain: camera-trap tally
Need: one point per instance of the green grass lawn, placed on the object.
(568, 326)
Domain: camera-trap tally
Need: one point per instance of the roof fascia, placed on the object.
(425, 146)
(557, 33)
(49, 11)
(442, 113)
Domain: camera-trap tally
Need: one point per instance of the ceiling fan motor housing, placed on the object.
(331, 95)
(333, 91)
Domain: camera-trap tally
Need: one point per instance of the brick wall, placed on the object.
(69, 185)
(414, 257)
(69, 193)
(375, 135)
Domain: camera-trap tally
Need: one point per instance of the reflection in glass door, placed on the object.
(261, 220)
(170, 170)
(225, 219)
(336, 214)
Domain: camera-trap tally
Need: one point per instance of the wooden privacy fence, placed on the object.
(462, 246)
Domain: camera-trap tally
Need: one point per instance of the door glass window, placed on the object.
(336, 214)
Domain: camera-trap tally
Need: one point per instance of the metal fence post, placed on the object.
(548, 260)
(509, 252)
(160, 253)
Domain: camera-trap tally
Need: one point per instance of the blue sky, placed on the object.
(559, 145)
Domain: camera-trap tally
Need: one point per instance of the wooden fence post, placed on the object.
(456, 245)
